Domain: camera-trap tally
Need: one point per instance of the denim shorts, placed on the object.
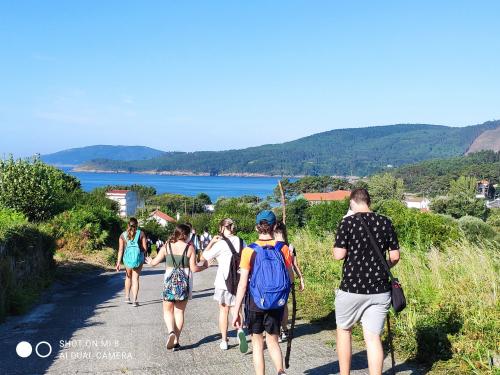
(370, 309)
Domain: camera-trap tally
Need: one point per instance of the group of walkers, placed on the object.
(254, 281)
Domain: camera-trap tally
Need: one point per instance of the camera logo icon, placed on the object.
(24, 349)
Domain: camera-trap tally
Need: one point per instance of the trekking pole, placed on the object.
(391, 348)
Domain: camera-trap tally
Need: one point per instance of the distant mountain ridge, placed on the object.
(354, 151)
(77, 156)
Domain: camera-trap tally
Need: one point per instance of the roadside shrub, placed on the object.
(494, 219)
(9, 218)
(34, 188)
(419, 230)
(325, 217)
(91, 226)
(26, 265)
(475, 229)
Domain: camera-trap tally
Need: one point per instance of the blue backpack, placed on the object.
(133, 256)
(269, 282)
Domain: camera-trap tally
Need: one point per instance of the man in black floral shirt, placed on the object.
(364, 293)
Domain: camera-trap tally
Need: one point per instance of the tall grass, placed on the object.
(452, 322)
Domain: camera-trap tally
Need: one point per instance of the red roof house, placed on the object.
(337, 195)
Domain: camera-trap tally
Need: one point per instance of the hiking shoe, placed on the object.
(283, 337)
(223, 345)
(242, 340)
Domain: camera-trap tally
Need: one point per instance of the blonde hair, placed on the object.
(226, 224)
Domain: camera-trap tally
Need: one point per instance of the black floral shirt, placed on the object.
(363, 272)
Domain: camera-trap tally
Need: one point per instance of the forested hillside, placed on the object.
(76, 156)
(433, 177)
(359, 151)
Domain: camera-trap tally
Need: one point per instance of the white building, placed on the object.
(162, 218)
(417, 202)
(128, 201)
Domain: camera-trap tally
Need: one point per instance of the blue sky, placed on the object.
(211, 75)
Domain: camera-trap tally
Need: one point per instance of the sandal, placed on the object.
(171, 340)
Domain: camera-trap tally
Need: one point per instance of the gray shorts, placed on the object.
(370, 309)
(224, 297)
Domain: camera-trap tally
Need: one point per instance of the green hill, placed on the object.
(432, 177)
(77, 156)
(359, 151)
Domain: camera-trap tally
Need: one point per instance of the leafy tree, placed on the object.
(177, 203)
(386, 187)
(461, 200)
(204, 198)
(296, 213)
(143, 191)
(34, 188)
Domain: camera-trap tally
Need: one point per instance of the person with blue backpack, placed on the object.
(132, 245)
(180, 263)
(265, 280)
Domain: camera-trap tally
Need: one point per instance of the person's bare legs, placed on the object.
(179, 309)
(375, 352)
(284, 321)
(136, 272)
(258, 354)
(223, 318)
(168, 316)
(128, 282)
(275, 351)
(344, 350)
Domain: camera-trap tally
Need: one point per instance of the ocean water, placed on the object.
(215, 187)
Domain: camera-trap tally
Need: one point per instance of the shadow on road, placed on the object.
(67, 309)
(360, 362)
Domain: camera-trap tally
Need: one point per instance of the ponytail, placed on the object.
(132, 228)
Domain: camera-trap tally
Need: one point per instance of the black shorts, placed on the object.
(269, 321)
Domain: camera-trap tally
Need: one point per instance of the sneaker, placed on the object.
(127, 300)
(223, 345)
(242, 340)
(136, 304)
(281, 372)
(283, 337)
(176, 347)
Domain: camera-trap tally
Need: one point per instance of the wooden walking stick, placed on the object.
(294, 299)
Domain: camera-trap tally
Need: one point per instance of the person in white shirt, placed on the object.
(205, 239)
(219, 249)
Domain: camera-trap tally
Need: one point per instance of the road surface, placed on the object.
(90, 330)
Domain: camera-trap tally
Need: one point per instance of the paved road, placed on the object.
(92, 331)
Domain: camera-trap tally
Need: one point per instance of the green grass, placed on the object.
(452, 322)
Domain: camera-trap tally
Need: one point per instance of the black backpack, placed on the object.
(233, 277)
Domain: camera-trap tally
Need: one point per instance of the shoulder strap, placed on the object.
(230, 244)
(184, 255)
(241, 245)
(375, 246)
(137, 235)
(172, 255)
